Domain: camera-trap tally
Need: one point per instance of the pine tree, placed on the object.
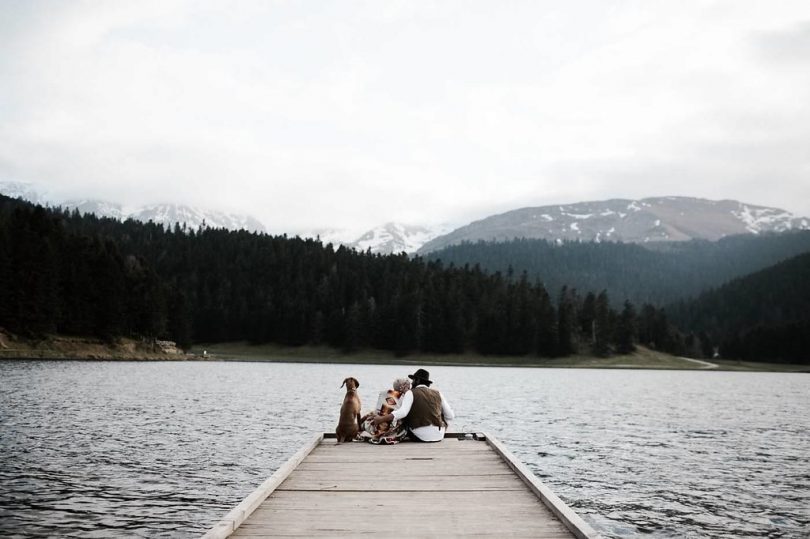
(109, 289)
(587, 319)
(179, 322)
(6, 282)
(354, 331)
(34, 270)
(566, 319)
(602, 329)
(546, 324)
(626, 329)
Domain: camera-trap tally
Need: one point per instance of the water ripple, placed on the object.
(104, 449)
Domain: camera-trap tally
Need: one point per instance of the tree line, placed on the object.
(62, 272)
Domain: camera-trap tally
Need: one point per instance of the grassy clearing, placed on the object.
(643, 358)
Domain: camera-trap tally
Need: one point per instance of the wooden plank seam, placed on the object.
(234, 518)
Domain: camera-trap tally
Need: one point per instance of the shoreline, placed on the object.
(68, 348)
(730, 366)
(642, 359)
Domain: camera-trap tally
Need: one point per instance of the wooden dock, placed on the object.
(458, 487)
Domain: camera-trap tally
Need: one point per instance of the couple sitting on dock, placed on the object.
(409, 410)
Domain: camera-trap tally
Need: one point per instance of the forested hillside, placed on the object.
(61, 272)
(656, 273)
(66, 273)
(764, 316)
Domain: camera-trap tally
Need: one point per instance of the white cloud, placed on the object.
(356, 113)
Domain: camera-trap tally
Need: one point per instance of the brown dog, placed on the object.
(349, 423)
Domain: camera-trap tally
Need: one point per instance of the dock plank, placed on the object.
(456, 487)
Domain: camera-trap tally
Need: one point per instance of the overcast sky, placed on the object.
(351, 114)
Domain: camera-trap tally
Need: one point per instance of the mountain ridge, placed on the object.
(646, 220)
(165, 214)
(387, 238)
(654, 219)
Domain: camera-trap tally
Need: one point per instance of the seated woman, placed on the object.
(387, 402)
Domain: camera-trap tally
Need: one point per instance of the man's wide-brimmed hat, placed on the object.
(421, 374)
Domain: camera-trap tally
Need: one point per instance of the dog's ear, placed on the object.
(356, 383)
(344, 383)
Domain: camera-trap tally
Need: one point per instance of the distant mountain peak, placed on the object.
(168, 214)
(23, 190)
(165, 214)
(636, 221)
(97, 207)
(387, 238)
(396, 238)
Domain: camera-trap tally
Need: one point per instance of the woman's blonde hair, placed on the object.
(402, 384)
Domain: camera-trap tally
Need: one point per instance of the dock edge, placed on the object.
(236, 516)
(569, 518)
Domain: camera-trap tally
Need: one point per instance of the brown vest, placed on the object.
(426, 409)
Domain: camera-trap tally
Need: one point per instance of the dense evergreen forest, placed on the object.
(659, 273)
(763, 316)
(66, 273)
(61, 272)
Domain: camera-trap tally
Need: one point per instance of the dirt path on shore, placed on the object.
(704, 364)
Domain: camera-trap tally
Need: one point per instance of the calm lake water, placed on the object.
(101, 449)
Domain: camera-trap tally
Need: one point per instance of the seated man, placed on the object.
(388, 401)
(423, 410)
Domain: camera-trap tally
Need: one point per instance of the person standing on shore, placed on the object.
(423, 410)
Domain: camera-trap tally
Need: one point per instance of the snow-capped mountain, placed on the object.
(169, 214)
(396, 238)
(335, 236)
(640, 221)
(25, 191)
(99, 208)
(645, 220)
(164, 214)
(384, 239)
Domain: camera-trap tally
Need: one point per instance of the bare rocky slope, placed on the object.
(632, 221)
